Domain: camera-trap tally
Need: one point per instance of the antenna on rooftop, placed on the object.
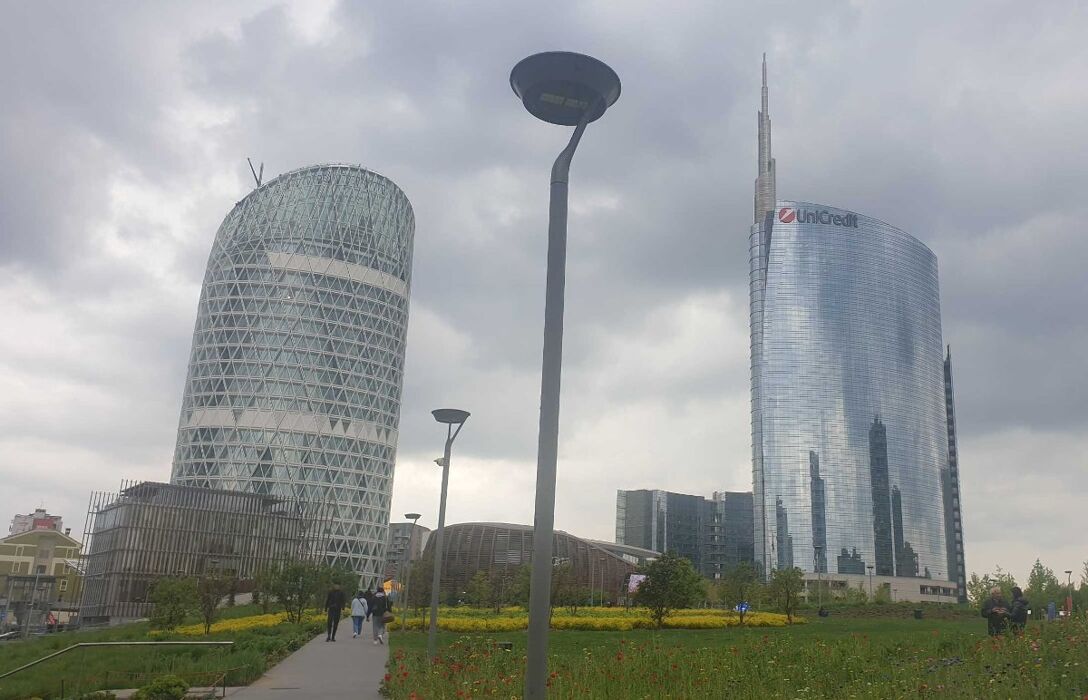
(256, 176)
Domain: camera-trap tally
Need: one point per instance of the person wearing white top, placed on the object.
(358, 614)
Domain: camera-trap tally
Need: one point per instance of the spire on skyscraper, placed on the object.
(765, 194)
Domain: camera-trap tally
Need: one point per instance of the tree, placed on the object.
(210, 590)
(786, 587)
(1043, 585)
(295, 586)
(519, 586)
(419, 583)
(978, 588)
(567, 591)
(174, 598)
(671, 584)
(262, 588)
(478, 592)
(737, 587)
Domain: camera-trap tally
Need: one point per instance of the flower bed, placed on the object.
(592, 619)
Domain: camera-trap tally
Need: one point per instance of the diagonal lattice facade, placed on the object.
(297, 364)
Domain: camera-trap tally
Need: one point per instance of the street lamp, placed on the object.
(568, 89)
(817, 551)
(870, 583)
(414, 517)
(1069, 598)
(450, 417)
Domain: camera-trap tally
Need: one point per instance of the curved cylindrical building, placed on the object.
(850, 428)
(848, 397)
(295, 376)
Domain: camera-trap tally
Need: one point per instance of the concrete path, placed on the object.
(347, 668)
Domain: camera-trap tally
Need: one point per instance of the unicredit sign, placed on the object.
(789, 215)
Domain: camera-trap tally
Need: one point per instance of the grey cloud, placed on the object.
(964, 129)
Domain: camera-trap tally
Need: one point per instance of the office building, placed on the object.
(406, 543)
(950, 488)
(295, 375)
(849, 430)
(147, 531)
(714, 535)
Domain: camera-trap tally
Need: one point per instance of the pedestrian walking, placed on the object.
(996, 612)
(358, 614)
(380, 613)
(1018, 611)
(368, 596)
(334, 605)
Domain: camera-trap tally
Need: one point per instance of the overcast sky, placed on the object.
(124, 129)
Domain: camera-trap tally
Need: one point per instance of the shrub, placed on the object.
(163, 688)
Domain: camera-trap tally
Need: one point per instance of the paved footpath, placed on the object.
(346, 668)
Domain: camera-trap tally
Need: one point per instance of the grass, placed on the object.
(836, 657)
(86, 669)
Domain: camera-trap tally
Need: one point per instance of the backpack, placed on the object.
(1019, 611)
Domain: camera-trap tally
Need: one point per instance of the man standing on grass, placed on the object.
(996, 612)
(334, 604)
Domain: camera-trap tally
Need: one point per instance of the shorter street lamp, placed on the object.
(870, 583)
(454, 419)
(1069, 598)
(819, 575)
(414, 517)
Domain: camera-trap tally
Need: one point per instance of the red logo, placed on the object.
(787, 215)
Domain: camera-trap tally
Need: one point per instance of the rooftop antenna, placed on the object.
(256, 176)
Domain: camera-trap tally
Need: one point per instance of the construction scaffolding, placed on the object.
(149, 530)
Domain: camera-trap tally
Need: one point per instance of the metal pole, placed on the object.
(30, 606)
(408, 571)
(540, 585)
(436, 576)
(870, 583)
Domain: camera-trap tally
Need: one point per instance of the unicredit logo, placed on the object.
(788, 215)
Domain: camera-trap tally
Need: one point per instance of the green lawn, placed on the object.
(836, 657)
(127, 667)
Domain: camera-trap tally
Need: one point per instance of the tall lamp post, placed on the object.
(1069, 598)
(817, 551)
(870, 583)
(454, 419)
(568, 89)
(414, 517)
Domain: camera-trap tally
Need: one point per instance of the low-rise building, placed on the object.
(38, 520)
(40, 582)
(500, 549)
(151, 530)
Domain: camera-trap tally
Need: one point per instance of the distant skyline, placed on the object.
(124, 132)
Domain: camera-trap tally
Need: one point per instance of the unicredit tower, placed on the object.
(852, 418)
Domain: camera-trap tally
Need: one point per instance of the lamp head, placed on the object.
(412, 516)
(559, 86)
(450, 416)
(440, 461)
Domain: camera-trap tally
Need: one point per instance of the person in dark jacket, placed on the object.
(334, 605)
(996, 612)
(379, 606)
(1018, 611)
(368, 596)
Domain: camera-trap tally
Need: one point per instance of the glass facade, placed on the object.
(715, 534)
(849, 428)
(296, 370)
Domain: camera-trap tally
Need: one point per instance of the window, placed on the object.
(63, 585)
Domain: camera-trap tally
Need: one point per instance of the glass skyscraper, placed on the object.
(295, 376)
(849, 423)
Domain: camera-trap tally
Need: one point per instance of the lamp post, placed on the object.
(1069, 598)
(870, 583)
(817, 550)
(569, 89)
(414, 517)
(451, 417)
